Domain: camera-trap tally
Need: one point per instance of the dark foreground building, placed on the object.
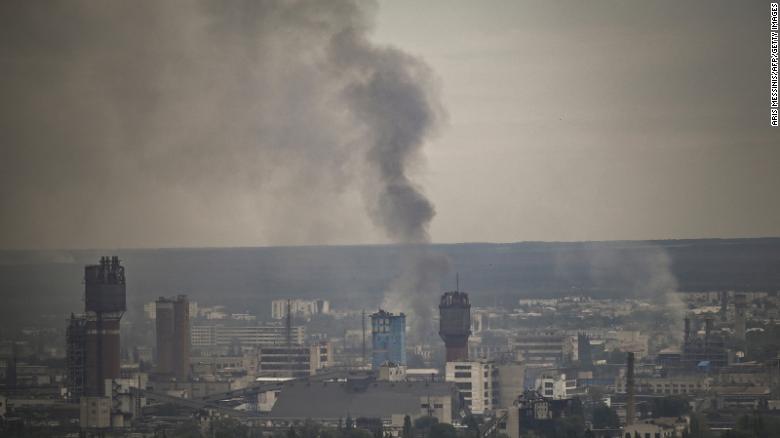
(366, 397)
(173, 337)
(93, 337)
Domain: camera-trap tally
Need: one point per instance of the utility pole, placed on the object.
(288, 324)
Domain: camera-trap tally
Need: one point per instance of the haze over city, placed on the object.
(389, 219)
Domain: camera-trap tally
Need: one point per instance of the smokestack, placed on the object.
(630, 407)
(687, 333)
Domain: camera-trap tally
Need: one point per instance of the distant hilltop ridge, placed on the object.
(35, 282)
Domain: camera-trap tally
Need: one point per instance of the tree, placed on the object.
(472, 424)
(425, 422)
(442, 430)
(407, 431)
(310, 429)
(755, 425)
(670, 406)
(186, 429)
(605, 417)
(698, 428)
(616, 357)
(228, 428)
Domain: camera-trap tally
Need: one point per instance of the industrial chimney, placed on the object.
(630, 390)
(455, 324)
(740, 306)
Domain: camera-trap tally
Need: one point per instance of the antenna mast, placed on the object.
(364, 336)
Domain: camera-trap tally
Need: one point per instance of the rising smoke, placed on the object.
(135, 123)
(392, 97)
(643, 272)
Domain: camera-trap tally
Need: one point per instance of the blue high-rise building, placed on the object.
(388, 338)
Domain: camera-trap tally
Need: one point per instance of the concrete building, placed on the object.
(648, 430)
(703, 350)
(293, 360)
(150, 309)
(300, 308)
(75, 336)
(172, 320)
(548, 349)
(390, 372)
(742, 397)
(388, 338)
(213, 365)
(511, 376)
(672, 385)
(455, 325)
(246, 335)
(95, 412)
(477, 382)
(191, 389)
(331, 402)
(93, 338)
(551, 385)
(533, 412)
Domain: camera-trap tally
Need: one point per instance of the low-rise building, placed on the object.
(298, 307)
(683, 384)
(331, 402)
(551, 385)
(294, 360)
(95, 412)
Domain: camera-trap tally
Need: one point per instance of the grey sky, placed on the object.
(597, 120)
(565, 121)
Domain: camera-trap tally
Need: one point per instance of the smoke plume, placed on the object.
(643, 272)
(392, 96)
(146, 123)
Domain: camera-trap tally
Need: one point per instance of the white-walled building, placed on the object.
(551, 386)
(304, 308)
(259, 334)
(150, 309)
(477, 382)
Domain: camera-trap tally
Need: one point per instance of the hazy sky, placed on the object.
(175, 125)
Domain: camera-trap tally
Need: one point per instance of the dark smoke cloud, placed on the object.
(392, 95)
(147, 123)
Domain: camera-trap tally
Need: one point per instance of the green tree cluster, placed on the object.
(755, 425)
(670, 406)
(604, 417)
